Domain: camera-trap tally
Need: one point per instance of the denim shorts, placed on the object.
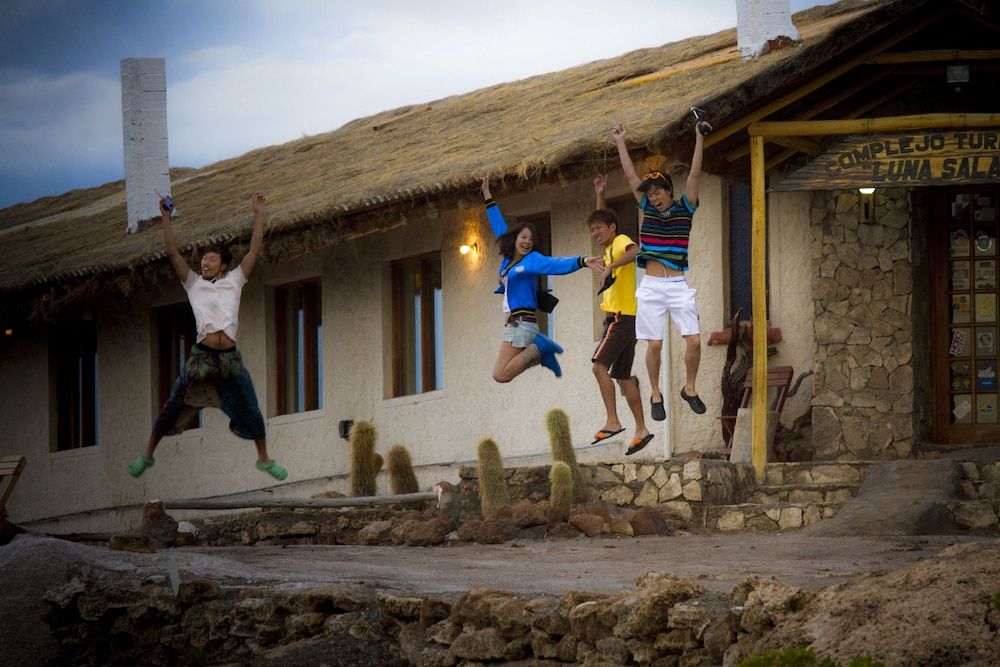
(521, 335)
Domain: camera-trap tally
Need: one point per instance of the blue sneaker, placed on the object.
(549, 361)
(547, 345)
(548, 349)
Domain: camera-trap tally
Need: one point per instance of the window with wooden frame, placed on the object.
(417, 325)
(74, 385)
(175, 335)
(543, 223)
(740, 227)
(298, 338)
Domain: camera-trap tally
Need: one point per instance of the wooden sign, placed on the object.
(902, 160)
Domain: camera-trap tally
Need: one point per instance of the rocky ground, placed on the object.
(906, 600)
(865, 583)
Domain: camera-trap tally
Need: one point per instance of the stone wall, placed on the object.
(679, 488)
(865, 305)
(980, 509)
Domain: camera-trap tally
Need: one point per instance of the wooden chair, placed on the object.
(10, 466)
(779, 377)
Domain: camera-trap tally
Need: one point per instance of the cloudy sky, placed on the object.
(248, 73)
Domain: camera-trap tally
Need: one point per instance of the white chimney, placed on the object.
(761, 21)
(144, 135)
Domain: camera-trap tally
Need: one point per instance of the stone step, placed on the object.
(981, 515)
(981, 480)
(767, 517)
(817, 472)
(803, 493)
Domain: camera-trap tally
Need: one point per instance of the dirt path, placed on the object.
(557, 566)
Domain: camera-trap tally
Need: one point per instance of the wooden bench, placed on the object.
(10, 466)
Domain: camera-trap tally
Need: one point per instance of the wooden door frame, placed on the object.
(942, 430)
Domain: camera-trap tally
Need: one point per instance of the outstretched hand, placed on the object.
(618, 133)
(485, 185)
(702, 129)
(595, 264)
(600, 183)
(259, 204)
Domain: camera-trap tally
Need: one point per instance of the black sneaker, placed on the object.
(658, 411)
(694, 402)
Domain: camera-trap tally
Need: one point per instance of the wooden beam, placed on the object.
(929, 121)
(827, 102)
(732, 128)
(807, 146)
(940, 55)
(775, 160)
(758, 270)
(234, 504)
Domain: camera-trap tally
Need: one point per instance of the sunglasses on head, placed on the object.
(656, 174)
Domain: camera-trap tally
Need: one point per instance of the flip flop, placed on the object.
(638, 444)
(694, 401)
(604, 435)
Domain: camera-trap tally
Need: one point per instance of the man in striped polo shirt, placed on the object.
(663, 252)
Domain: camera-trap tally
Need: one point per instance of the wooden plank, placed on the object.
(11, 465)
(931, 56)
(928, 121)
(933, 158)
(11, 468)
(807, 146)
(230, 503)
(759, 311)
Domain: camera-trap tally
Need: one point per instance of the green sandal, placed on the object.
(139, 466)
(273, 469)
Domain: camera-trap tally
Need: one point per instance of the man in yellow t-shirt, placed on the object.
(616, 349)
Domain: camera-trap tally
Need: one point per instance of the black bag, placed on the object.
(546, 300)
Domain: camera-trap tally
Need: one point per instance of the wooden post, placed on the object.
(758, 255)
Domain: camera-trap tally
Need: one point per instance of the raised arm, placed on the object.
(493, 214)
(600, 183)
(694, 176)
(257, 238)
(618, 134)
(180, 266)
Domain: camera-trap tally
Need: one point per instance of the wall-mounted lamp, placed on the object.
(466, 249)
(866, 204)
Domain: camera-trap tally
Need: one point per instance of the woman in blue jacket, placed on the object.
(523, 346)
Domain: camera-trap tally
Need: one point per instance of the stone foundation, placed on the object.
(682, 489)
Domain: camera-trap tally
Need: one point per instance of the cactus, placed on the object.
(561, 492)
(562, 450)
(363, 459)
(401, 476)
(493, 493)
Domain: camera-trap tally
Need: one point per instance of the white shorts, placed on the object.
(659, 295)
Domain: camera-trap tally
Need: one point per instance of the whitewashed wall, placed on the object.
(439, 427)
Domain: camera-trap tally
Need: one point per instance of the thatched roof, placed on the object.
(367, 175)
